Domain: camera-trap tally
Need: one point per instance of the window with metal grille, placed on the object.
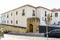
(11, 14)
(56, 14)
(16, 12)
(33, 13)
(51, 14)
(45, 13)
(23, 12)
(45, 19)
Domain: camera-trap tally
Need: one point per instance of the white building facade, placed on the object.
(19, 16)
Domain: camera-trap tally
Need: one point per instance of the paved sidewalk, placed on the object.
(29, 34)
(18, 37)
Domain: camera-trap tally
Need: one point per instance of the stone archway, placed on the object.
(32, 25)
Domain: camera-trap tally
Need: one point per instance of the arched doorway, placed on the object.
(31, 28)
(32, 25)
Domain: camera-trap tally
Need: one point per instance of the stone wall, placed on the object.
(13, 29)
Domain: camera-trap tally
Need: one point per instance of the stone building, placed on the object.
(28, 17)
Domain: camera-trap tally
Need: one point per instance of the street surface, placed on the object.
(20, 37)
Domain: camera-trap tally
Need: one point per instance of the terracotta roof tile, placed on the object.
(54, 10)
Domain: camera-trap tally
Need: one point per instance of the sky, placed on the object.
(6, 5)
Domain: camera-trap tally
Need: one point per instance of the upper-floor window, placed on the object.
(56, 14)
(51, 14)
(16, 12)
(23, 12)
(7, 15)
(16, 21)
(33, 13)
(45, 13)
(11, 21)
(11, 14)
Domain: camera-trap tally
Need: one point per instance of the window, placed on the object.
(56, 14)
(59, 23)
(45, 19)
(7, 15)
(23, 12)
(11, 14)
(11, 21)
(33, 13)
(7, 21)
(54, 23)
(45, 13)
(16, 13)
(51, 14)
(16, 21)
